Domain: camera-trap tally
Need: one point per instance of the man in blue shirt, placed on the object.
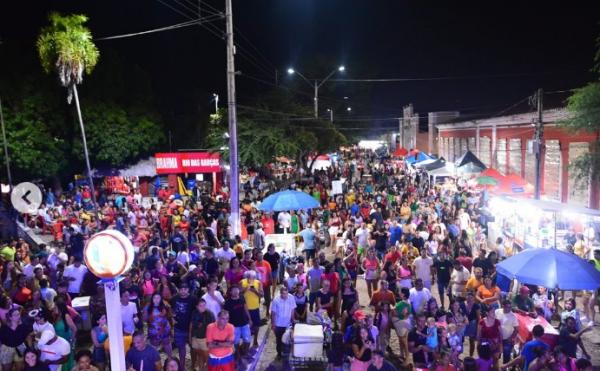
(395, 232)
(354, 209)
(528, 352)
(308, 235)
(142, 357)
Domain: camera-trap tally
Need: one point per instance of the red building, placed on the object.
(506, 143)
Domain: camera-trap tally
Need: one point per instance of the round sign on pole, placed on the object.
(108, 254)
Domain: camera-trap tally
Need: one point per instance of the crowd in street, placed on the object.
(419, 250)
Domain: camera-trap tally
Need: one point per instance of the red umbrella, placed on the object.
(400, 152)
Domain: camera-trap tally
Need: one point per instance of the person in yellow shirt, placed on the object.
(580, 249)
(350, 197)
(410, 252)
(474, 281)
(252, 290)
(405, 211)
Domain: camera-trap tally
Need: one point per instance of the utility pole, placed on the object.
(234, 180)
(401, 132)
(6, 159)
(538, 140)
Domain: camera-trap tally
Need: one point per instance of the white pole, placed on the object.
(112, 296)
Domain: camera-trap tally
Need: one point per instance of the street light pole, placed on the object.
(316, 99)
(539, 135)
(234, 180)
(330, 114)
(316, 85)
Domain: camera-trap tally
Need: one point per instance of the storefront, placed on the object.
(526, 223)
(203, 167)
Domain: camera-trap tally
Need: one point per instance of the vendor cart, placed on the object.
(309, 344)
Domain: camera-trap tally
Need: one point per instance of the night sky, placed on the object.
(502, 51)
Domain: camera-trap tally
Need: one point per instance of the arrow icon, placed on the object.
(24, 197)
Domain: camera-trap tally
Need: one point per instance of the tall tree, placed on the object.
(66, 47)
(276, 126)
(584, 110)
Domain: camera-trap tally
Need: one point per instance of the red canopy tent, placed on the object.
(400, 152)
(492, 173)
(513, 184)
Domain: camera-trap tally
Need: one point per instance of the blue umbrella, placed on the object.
(551, 268)
(417, 158)
(288, 200)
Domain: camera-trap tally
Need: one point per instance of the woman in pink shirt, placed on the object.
(371, 267)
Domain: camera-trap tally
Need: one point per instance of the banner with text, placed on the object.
(187, 162)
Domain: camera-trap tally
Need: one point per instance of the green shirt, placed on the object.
(403, 309)
(8, 253)
(524, 304)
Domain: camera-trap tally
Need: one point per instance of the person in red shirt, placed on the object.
(268, 224)
(465, 260)
(264, 269)
(383, 295)
(393, 255)
(334, 280)
(219, 338)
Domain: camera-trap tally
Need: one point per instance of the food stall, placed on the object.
(531, 223)
(201, 166)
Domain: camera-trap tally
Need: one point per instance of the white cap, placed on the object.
(192, 267)
(47, 335)
(63, 256)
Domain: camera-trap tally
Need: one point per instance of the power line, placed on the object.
(160, 29)
(439, 78)
(247, 55)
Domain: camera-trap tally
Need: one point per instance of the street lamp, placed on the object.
(349, 109)
(330, 114)
(108, 255)
(316, 84)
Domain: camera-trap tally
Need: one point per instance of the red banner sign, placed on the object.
(187, 162)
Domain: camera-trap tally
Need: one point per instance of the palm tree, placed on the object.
(66, 47)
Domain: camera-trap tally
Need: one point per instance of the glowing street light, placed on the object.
(108, 255)
(317, 84)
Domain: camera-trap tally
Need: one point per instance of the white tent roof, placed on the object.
(447, 170)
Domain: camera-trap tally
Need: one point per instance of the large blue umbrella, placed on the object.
(288, 200)
(417, 158)
(551, 268)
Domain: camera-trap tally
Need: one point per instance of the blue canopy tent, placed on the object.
(551, 268)
(288, 200)
(414, 159)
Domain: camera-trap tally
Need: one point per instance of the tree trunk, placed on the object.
(85, 151)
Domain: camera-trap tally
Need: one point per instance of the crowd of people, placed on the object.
(390, 255)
